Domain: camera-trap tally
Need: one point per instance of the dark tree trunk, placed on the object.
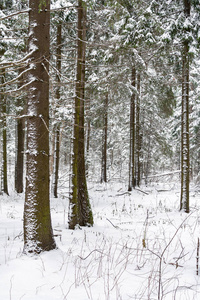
(58, 66)
(57, 161)
(132, 135)
(19, 172)
(4, 123)
(138, 135)
(38, 235)
(185, 160)
(80, 211)
(19, 166)
(88, 139)
(104, 144)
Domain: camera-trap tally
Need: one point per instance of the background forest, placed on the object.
(133, 50)
(101, 99)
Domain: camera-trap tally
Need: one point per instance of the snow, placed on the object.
(140, 244)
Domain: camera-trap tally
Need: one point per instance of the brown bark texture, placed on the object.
(38, 234)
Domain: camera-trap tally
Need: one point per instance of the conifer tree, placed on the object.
(80, 212)
(38, 235)
(185, 158)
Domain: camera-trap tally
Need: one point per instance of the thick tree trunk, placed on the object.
(79, 211)
(38, 235)
(132, 135)
(185, 159)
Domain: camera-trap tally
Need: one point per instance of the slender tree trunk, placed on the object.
(132, 135)
(38, 235)
(80, 211)
(104, 144)
(88, 138)
(58, 66)
(5, 171)
(51, 160)
(185, 159)
(19, 167)
(138, 136)
(57, 161)
(19, 186)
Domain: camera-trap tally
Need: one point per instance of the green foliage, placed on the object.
(42, 4)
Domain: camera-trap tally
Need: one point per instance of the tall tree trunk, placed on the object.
(38, 235)
(58, 67)
(104, 144)
(132, 134)
(138, 135)
(80, 211)
(4, 123)
(185, 160)
(19, 186)
(19, 166)
(88, 137)
(57, 157)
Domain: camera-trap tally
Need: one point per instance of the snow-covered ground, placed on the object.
(141, 247)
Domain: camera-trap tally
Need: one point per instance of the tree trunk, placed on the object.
(132, 135)
(104, 144)
(19, 167)
(185, 160)
(19, 186)
(138, 135)
(58, 67)
(88, 138)
(79, 211)
(4, 123)
(38, 235)
(57, 161)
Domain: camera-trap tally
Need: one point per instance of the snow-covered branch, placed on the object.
(16, 78)
(15, 14)
(10, 64)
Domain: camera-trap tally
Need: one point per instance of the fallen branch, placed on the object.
(123, 194)
(117, 227)
(95, 250)
(141, 191)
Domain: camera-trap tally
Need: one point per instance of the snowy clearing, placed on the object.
(141, 247)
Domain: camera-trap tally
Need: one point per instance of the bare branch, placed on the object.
(16, 78)
(10, 64)
(15, 13)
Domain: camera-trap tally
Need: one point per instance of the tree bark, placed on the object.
(57, 157)
(185, 159)
(80, 210)
(19, 185)
(19, 167)
(104, 144)
(4, 123)
(138, 135)
(38, 235)
(58, 67)
(132, 134)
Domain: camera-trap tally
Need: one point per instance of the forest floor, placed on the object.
(141, 247)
